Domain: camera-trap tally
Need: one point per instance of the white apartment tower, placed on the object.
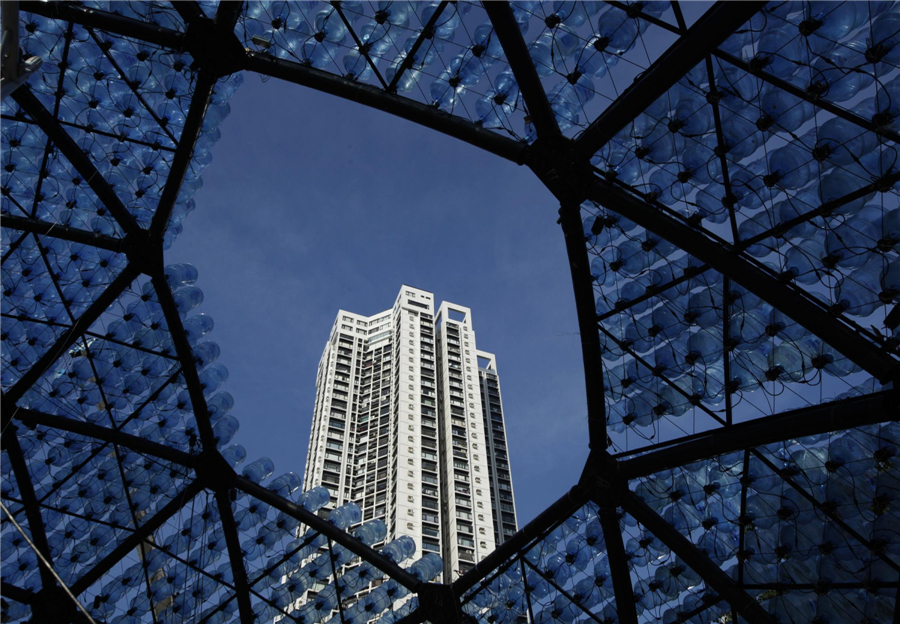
(408, 426)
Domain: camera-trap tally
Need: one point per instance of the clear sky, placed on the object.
(313, 203)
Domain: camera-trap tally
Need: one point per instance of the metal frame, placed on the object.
(564, 166)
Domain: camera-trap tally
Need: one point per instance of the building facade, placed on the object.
(410, 427)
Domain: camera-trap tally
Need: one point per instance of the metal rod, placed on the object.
(618, 565)
(527, 593)
(688, 274)
(78, 159)
(109, 22)
(427, 33)
(186, 355)
(637, 358)
(726, 350)
(29, 501)
(712, 575)
(181, 161)
(405, 108)
(88, 318)
(64, 232)
(48, 148)
(559, 589)
(827, 512)
(803, 94)
(45, 564)
(141, 533)
(363, 49)
(13, 592)
(853, 412)
(32, 418)
(797, 305)
(188, 10)
(337, 589)
(720, 144)
(133, 86)
(707, 33)
(679, 16)
(867, 585)
(69, 124)
(828, 207)
(510, 36)
(741, 519)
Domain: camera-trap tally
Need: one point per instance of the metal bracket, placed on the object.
(145, 251)
(213, 49)
(440, 605)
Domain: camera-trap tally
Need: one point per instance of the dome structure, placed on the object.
(727, 191)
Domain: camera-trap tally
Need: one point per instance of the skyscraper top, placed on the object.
(408, 426)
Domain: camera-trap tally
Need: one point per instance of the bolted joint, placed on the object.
(214, 472)
(601, 480)
(145, 251)
(53, 604)
(440, 605)
(555, 161)
(212, 48)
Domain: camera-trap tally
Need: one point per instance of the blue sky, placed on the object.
(313, 203)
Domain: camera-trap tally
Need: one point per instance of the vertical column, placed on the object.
(416, 482)
(468, 524)
(503, 504)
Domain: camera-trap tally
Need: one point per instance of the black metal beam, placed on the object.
(25, 596)
(64, 232)
(135, 539)
(510, 36)
(803, 94)
(78, 159)
(186, 355)
(188, 10)
(373, 97)
(707, 33)
(633, 11)
(564, 507)
(351, 543)
(33, 418)
(786, 587)
(22, 475)
(235, 555)
(712, 575)
(853, 412)
(618, 565)
(732, 264)
(582, 284)
(88, 317)
(109, 22)
(427, 33)
(181, 161)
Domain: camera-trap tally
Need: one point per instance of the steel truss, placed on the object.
(564, 167)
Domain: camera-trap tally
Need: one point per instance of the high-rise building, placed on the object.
(410, 427)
